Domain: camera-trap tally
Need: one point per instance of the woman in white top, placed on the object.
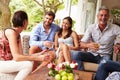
(66, 40)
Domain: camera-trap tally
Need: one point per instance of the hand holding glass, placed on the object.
(95, 47)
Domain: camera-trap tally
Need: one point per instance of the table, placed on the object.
(43, 75)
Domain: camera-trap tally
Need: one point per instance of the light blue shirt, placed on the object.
(106, 38)
(38, 35)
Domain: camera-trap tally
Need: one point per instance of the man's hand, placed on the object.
(117, 48)
(48, 44)
(93, 46)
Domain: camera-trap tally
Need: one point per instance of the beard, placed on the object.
(47, 24)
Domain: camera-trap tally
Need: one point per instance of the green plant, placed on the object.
(116, 13)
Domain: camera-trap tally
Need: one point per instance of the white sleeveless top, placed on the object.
(68, 41)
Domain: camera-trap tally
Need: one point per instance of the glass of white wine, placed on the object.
(97, 46)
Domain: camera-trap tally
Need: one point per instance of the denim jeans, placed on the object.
(87, 57)
(105, 68)
(75, 57)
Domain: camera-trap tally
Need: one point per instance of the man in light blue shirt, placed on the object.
(42, 38)
(39, 36)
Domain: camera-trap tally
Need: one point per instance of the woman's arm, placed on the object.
(75, 41)
(20, 45)
(56, 41)
(12, 37)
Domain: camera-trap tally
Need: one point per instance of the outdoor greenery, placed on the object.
(116, 15)
(4, 14)
(34, 8)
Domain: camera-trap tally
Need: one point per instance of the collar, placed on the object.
(43, 29)
(107, 26)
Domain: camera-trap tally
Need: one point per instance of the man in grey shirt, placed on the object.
(99, 40)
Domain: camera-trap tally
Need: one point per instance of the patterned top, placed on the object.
(114, 76)
(5, 53)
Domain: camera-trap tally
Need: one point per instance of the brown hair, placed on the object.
(50, 13)
(69, 29)
(18, 18)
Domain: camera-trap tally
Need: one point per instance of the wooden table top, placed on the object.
(42, 74)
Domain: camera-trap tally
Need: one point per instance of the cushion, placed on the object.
(25, 44)
(88, 66)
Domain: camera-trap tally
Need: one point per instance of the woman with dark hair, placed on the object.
(16, 61)
(66, 41)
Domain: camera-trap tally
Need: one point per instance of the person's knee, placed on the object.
(28, 65)
(102, 66)
(52, 54)
(75, 55)
(34, 49)
(65, 47)
(61, 55)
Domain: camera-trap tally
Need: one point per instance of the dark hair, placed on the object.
(18, 18)
(69, 29)
(50, 13)
(104, 8)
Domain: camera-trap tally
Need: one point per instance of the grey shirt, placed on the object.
(105, 38)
